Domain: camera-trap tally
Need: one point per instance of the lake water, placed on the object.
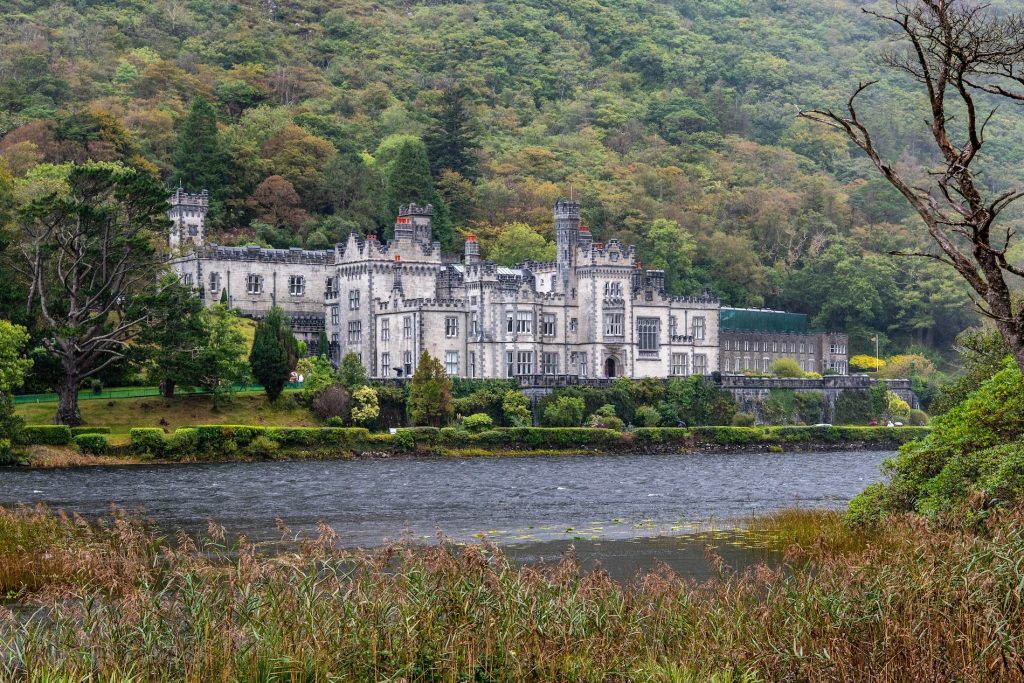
(626, 511)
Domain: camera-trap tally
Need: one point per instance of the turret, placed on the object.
(188, 218)
(415, 223)
(567, 233)
(472, 250)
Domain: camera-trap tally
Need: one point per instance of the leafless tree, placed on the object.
(967, 60)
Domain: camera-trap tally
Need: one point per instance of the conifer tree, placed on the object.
(199, 159)
(409, 181)
(452, 141)
(224, 296)
(351, 372)
(269, 357)
(323, 347)
(430, 396)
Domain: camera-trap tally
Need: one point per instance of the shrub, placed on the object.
(317, 374)
(516, 408)
(365, 408)
(184, 441)
(853, 406)
(93, 444)
(898, 408)
(866, 363)
(787, 367)
(75, 431)
(45, 435)
(906, 366)
(148, 440)
(404, 440)
(743, 420)
(332, 401)
(478, 422)
(918, 418)
(6, 453)
(646, 416)
(810, 406)
(564, 411)
(263, 447)
(780, 406)
(430, 393)
(605, 418)
(335, 421)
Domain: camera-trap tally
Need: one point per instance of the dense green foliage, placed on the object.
(430, 393)
(269, 355)
(973, 458)
(673, 122)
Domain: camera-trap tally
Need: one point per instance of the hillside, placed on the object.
(673, 121)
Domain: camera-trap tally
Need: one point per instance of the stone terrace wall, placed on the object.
(750, 391)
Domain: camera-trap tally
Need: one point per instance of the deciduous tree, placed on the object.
(430, 396)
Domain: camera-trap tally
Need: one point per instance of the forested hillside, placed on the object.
(675, 122)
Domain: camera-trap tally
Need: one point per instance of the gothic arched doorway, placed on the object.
(609, 368)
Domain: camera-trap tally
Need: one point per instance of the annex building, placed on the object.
(593, 313)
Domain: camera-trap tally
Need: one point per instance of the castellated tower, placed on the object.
(472, 250)
(415, 223)
(567, 233)
(188, 215)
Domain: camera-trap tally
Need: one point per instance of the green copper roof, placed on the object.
(761, 320)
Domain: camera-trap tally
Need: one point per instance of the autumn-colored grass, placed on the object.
(118, 603)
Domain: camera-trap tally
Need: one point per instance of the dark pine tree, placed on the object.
(323, 347)
(269, 357)
(452, 141)
(409, 181)
(199, 159)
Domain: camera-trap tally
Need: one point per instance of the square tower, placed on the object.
(188, 216)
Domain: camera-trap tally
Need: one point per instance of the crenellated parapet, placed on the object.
(256, 253)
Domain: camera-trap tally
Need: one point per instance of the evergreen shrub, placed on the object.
(148, 440)
(45, 435)
(93, 444)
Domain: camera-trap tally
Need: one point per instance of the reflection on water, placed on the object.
(628, 511)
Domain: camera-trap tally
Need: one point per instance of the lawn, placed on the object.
(181, 411)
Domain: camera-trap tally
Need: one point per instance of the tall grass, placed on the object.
(116, 602)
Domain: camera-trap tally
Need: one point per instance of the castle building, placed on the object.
(592, 313)
(752, 339)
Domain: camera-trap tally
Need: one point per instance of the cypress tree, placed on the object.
(269, 357)
(430, 396)
(199, 159)
(323, 347)
(224, 296)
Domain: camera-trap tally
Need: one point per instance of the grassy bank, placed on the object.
(906, 602)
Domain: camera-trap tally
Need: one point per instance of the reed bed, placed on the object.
(113, 601)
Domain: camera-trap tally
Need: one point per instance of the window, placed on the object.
(510, 367)
(647, 334)
(680, 364)
(613, 290)
(728, 364)
(335, 315)
(700, 364)
(802, 347)
(524, 362)
(746, 363)
(613, 324)
(385, 364)
(549, 363)
(698, 329)
(186, 279)
(355, 331)
(725, 345)
(407, 362)
(214, 282)
(385, 329)
(583, 364)
(254, 283)
(746, 344)
(775, 347)
(510, 325)
(573, 325)
(296, 285)
(673, 326)
(474, 323)
(330, 291)
(472, 363)
(451, 327)
(451, 363)
(407, 327)
(353, 300)
(547, 324)
(766, 364)
(334, 342)
(524, 322)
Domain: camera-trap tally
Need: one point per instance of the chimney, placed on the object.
(472, 250)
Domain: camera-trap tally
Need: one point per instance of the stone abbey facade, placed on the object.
(593, 313)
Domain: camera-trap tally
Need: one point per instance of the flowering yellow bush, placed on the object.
(866, 362)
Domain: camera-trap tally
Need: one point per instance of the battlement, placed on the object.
(567, 209)
(255, 252)
(416, 210)
(183, 198)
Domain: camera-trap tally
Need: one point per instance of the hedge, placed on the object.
(94, 444)
(75, 431)
(45, 435)
(148, 440)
